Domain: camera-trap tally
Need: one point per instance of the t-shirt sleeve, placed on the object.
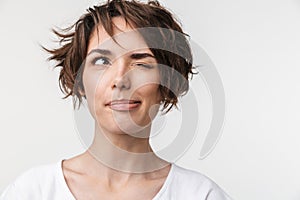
(39, 183)
(24, 187)
(217, 193)
(12, 192)
(9, 193)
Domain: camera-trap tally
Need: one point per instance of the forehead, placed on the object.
(126, 38)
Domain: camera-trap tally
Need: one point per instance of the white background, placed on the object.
(255, 46)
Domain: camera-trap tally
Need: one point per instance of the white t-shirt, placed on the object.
(47, 182)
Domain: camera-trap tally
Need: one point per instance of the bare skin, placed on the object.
(86, 176)
(89, 179)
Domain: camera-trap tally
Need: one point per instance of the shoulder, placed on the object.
(31, 183)
(191, 177)
(190, 184)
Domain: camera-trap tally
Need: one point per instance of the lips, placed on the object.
(123, 104)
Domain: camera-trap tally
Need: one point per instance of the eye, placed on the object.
(101, 61)
(144, 65)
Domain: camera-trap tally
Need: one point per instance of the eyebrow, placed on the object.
(141, 55)
(135, 56)
(101, 51)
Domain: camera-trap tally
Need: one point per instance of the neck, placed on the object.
(116, 179)
(125, 153)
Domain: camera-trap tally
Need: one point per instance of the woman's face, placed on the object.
(121, 80)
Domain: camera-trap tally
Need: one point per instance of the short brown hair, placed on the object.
(74, 42)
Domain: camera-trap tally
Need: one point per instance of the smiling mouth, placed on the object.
(123, 105)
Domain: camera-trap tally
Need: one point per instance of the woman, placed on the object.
(125, 70)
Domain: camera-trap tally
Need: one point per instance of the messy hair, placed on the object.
(74, 41)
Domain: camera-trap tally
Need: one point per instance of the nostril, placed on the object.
(122, 83)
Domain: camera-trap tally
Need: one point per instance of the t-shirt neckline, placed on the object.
(69, 193)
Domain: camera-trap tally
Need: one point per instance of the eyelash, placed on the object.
(144, 65)
(107, 62)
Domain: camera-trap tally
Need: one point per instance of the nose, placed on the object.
(122, 83)
(121, 79)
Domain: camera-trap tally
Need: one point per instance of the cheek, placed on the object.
(150, 90)
(91, 81)
(146, 81)
(151, 103)
(147, 85)
(151, 96)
